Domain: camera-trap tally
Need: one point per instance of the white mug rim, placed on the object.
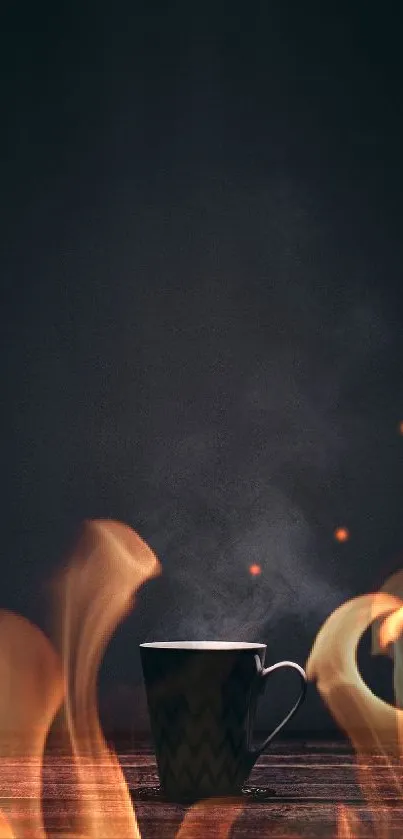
(203, 646)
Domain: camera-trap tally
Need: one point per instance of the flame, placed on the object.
(6, 831)
(391, 628)
(393, 648)
(223, 814)
(92, 595)
(31, 692)
(96, 591)
(373, 726)
(368, 720)
(348, 825)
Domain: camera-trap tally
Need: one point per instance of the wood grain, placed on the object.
(311, 780)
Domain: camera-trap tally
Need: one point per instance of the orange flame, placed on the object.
(94, 594)
(5, 828)
(391, 628)
(222, 813)
(373, 726)
(368, 720)
(348, 825)
(30, 694)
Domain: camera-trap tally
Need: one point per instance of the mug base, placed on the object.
(155, 793)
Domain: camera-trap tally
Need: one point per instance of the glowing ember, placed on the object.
(255, 570)
(341, 534)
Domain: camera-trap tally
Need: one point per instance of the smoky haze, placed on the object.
(249, 485)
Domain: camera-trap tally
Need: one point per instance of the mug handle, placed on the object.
(262, 674)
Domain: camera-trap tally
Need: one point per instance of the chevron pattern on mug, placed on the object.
(199, 711)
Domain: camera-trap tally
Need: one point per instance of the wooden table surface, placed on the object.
(310, 781)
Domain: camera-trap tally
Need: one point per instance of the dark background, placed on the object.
(201, 313)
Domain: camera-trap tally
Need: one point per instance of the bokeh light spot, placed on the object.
(341, 534)
(401, 427)
(255, 570)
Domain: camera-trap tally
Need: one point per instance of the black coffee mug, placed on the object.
(202, 698)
